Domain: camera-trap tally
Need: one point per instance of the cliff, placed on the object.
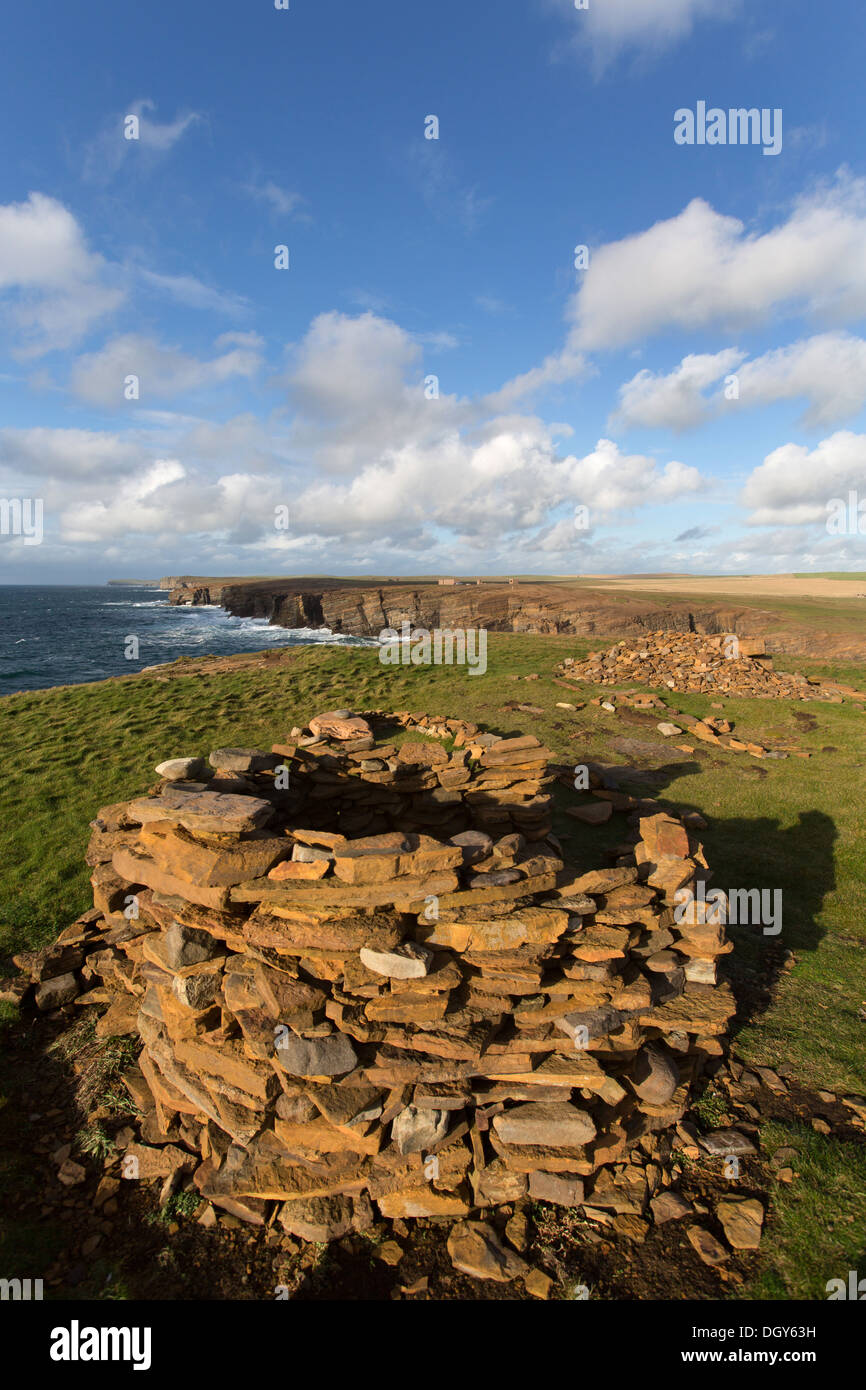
(544, 607)
(363, 611)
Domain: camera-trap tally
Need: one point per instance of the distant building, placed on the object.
(513, 583)
(447, 581)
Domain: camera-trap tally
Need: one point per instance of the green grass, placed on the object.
(794, 825)
(818, 1222)
(179, 1204)
(710, 1109)
(840, 616)
(95, 1141)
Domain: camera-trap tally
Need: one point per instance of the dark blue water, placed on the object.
(51, 635)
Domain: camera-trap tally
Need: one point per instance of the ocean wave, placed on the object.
(325, 635)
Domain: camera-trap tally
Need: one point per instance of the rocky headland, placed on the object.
(541, 607)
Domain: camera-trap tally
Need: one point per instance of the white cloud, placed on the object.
(446, 196)
(676, 400)
(609, 27)
(192, 292)
(43, 453)
(702, 268)
(441, 341)
(555, 370)
(163, 372)
(54, 288)
(827, 371)
(794, 484)
(165, 499)
(281, 200)
(105, 154)
(356, 385)
(410, 464)
(250, 339)
(492, 305)
(368, 465)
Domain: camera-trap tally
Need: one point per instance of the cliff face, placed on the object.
(544, 608)
(365, 611)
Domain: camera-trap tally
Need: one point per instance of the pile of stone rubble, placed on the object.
(689, 662)
(366, 985)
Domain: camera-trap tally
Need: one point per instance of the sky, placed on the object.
(500, 286)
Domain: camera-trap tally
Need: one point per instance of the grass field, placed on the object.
(790, 824)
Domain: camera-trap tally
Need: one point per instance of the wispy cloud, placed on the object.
(282, 201)
(366, 299)
(491, 305)
(194, 293)
(438, 342)
(448, 198)
(112, 147)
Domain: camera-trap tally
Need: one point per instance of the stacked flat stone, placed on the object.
(428, 1019)
(692, 663)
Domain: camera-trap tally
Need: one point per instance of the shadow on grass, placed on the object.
(793, 866)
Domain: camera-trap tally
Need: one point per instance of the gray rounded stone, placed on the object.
(184, 769)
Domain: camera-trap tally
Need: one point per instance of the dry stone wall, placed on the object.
(366, 983)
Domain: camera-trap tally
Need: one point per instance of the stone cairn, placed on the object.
(691, 663)
(367, 986)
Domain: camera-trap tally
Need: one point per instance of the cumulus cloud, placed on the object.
(828, 371)
(368, 463)
(163, 372)
(52, 286)
(393, 464)
(780, 550)
(702, 268)
(220, 487)
(794, 484)
(41, 453)
(166, 499)
(676, 400)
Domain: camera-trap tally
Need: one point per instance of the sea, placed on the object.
(65, 635)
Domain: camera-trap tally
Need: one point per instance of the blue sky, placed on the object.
(698, 388)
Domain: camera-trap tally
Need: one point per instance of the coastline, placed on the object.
(543, 607)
